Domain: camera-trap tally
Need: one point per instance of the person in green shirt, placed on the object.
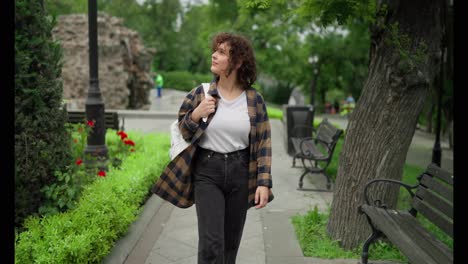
(159, 84)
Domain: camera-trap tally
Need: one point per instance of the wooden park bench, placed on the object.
(433, 199)
(111, 119)
(316, 151)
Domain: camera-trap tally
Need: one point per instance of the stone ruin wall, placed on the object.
(124, 63)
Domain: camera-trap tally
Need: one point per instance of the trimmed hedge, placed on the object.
(106, 209)
(42, 145)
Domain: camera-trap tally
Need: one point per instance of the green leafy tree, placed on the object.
(280, 37)
(223, 11)
(342, 60)
(280, 51)
(41, 143)
(133, 14)
(161, 32)
(60, 7)
(195, 33)
(285, 40)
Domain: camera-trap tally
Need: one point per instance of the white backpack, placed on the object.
(178, 143)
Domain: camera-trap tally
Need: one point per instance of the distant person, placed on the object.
(348, 106)
(350, 99)
(159, 84)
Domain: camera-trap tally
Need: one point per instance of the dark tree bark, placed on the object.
(403, 64)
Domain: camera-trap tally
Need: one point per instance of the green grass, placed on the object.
(274, 113)
(314, 241)
(332, 168)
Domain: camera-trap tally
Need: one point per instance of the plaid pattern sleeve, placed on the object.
(263, 138)
(186, 125)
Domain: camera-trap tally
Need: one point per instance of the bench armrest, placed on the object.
(379, 203)
(305, 151)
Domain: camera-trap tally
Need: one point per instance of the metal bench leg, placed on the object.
(302, 177)
(328, 180)
(294, 162)
(365, 249)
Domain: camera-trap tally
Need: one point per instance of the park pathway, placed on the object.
(164, 234)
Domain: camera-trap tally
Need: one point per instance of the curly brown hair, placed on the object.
(240, 51)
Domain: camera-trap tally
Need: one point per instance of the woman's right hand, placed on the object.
(204, 109)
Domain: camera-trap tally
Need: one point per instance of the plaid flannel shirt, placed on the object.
(175, 184)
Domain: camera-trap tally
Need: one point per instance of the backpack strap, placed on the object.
(206, 87)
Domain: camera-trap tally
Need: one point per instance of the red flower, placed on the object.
(122, 135)
(91, 123)
(132, 150)
(129, 142)
(101, 174)
(78, 162)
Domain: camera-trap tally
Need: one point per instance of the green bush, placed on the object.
(183, 80)
(105, 210)
(63, 194)
(42, 145)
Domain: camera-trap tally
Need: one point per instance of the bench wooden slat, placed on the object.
(439, 173)
(436, 186)
(326, 132)
(111, 119)
(428, 241)
(435, 217)
(412, 239)
(81, 117)
(435, 201)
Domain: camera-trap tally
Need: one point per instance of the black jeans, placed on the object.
(221, 201)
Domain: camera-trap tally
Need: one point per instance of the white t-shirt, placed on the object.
(229, 129)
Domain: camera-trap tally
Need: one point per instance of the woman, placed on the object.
(229, 160)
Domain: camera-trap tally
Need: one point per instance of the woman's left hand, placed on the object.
(261, 196)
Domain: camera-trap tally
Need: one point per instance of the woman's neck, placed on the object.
(229, 84)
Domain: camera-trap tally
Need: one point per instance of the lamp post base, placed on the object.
(96, 156)
(437, 154)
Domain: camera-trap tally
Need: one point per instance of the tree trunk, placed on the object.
(380, 129)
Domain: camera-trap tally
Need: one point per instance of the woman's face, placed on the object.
(220, 60)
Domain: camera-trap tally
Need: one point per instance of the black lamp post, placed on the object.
(313, 84)
(96, 145)
(437, 151)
